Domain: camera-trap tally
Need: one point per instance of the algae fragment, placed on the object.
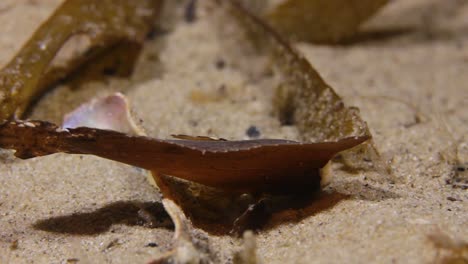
(105, 22)
(303, 98)
(321, 21)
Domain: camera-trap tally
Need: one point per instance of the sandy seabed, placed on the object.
(408, 75)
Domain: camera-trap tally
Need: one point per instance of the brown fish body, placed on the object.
(231, 165)
(252, 164)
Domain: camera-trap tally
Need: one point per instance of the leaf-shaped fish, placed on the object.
(251, 165)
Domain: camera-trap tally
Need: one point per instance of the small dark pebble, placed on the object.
(193, 123)
(287, 116)
(151, 34)
(220, 64)
(73, 260)
(156, 32)
(451, 199)
(109, 71)
(460, 168)
(152, 244)
(190, 11)
(253, 132)
(14, 245)
(222, 89)
(113, 243)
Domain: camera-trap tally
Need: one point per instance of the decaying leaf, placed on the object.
(322, 21)
(104, 22)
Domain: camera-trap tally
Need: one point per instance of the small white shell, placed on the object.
(111, 112)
